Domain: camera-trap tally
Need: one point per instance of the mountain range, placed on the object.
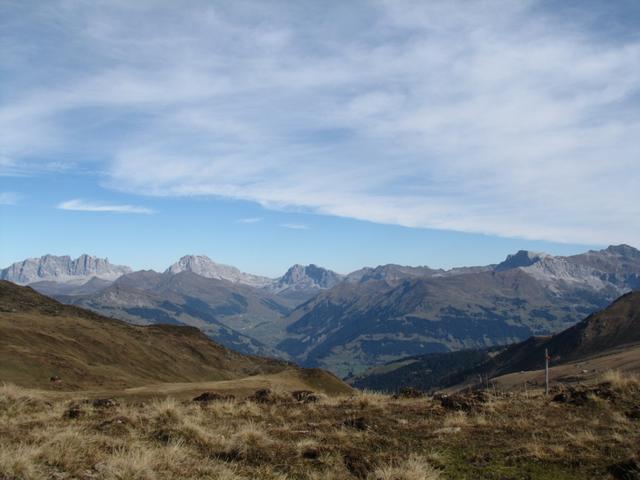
(349, 323)
(379, 318)
(62, 274)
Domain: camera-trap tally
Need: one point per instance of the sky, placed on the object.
(267, 133)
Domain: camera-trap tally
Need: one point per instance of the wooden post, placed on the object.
(546, 371)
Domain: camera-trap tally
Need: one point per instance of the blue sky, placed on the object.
(340, 133)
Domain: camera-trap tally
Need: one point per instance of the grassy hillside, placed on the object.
(41, 338)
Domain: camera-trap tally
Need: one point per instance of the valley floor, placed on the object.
(592, 432)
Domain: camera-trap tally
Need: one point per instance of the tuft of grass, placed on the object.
(367, 398)
(456, 419)
(130, 464)
(622, 381)
(73, 448)
(250, 441)
(582, 438)
(413, 468)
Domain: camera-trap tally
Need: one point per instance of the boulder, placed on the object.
(207, 397)
(304, 396)
(264, 395)
(104, 403)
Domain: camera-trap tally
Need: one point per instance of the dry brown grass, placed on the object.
(413, 468)
(367, 436)
(623, 381)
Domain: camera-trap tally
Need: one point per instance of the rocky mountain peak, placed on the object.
(623, 250)
(390, 273)
(205, 267)
(522, 258)
(308, 277)
(62, 269)
(196, 264)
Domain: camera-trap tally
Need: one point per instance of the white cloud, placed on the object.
(84, 206)
(295, 226)
(250, 220)
(9, 198)
(495, 117)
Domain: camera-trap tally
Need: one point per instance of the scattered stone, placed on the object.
(55, 379)
(207, 397)
(104, 403)
(304, 396)
(115, 426)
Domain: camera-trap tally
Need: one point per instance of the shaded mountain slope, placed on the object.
(615, 326)
(355, 326)
(423, 372)
(51, 288)
(232, 314)
(41, 338)
(379, 315)
(609, 331)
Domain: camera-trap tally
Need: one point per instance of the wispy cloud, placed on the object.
(85, 206)
(295, 226)
(505, 118)
(250, 220)
(9, 198)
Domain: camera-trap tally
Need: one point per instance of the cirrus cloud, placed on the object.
(295, 226)
(9, 198)
(504, 118)
(80, 205)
